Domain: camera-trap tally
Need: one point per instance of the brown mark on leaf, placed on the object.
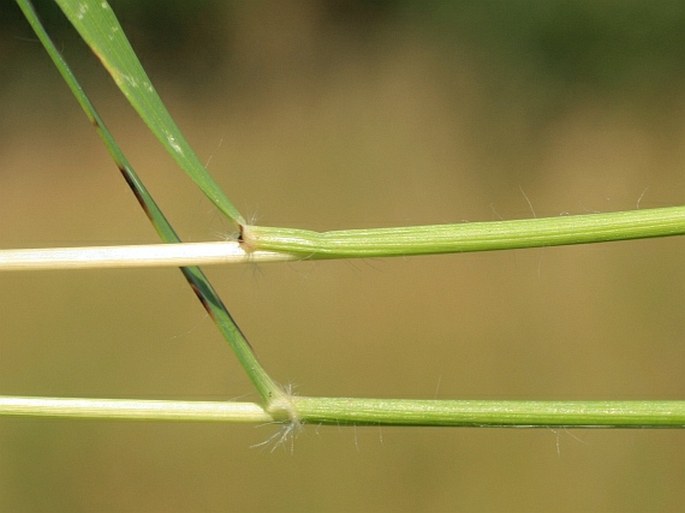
(203, 299)
(136, 192)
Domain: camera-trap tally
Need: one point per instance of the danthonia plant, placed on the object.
(98, 26)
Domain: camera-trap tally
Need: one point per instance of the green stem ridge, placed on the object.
(463, 237)
(493, 413)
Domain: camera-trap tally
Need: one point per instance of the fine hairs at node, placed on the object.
(286, 416)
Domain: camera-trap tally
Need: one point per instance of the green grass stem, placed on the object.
(491, 413)
(463, 237)
(269, 244)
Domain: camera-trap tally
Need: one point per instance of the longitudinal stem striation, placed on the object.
(464, 237)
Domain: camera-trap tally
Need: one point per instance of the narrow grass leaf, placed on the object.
(98, 26)
(266, 387)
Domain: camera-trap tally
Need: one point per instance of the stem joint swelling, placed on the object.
(245, 238)
(282, 409)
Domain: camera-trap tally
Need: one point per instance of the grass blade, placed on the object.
(267, 388)
(98, 26)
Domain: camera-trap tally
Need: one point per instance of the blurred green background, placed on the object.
(346, 114)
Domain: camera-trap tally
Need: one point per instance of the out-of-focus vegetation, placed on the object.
(631, 45)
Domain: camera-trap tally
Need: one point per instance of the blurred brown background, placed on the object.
(346, 114)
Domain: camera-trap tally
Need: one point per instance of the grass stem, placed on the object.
(270, 244)
(132, 409)
(490, 413)
(476, 236)
(366, 411)
(150, 255)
